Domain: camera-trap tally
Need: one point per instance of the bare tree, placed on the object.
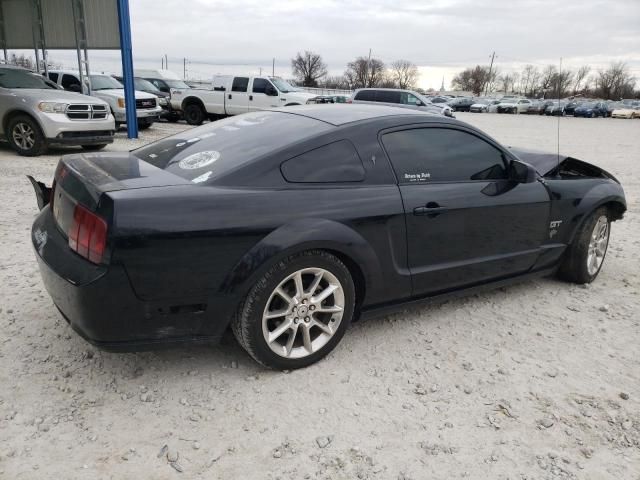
(365, 73)
(473, 79)
(308, 68)
(529, 79)
(507, 82)
(338, 82)
(580, 76)
(615, 82)
(547, 79)
(404, 74)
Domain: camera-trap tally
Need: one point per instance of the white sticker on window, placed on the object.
(199, 160)
(202, 178)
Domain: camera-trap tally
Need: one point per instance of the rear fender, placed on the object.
(307, 234)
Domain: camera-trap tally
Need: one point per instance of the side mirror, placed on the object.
(271, 91)
(522, 172)
(75, 87)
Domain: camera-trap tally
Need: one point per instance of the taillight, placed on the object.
(88, 234)
(349, 100)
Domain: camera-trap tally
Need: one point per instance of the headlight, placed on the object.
(162, 101)
(52, 107)
(121, 103)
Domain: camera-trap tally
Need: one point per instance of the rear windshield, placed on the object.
(205, 153)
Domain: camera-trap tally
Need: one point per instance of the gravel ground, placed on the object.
(536, 381)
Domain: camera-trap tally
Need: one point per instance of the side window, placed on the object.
(425, 155)
(336, 162)
(409, 99)
(366, 96)
(68, 80)
(260, 85)
(240, 84)
(387, 96)
(53, 77)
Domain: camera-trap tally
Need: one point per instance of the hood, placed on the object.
(301, 94)
(119, 92)
(547, 163)
(52, 95)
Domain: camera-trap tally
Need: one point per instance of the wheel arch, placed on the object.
(14, 113)
(309, 234)
(193, 101)
(292, 104)
(603, 195)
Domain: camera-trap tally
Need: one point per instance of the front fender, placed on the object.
(298, 236)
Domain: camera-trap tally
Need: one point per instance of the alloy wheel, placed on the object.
(303, 313)
(598, 245)
(23, 136)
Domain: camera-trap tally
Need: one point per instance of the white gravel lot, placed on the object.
(536, 381)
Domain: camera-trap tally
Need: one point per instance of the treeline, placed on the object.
(29, 63)
(310, 71)
(614, 82)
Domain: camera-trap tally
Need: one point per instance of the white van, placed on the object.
(232, 95)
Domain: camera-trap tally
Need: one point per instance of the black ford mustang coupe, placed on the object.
(288, 224)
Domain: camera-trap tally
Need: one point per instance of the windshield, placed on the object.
(144, 85)
(206, 153)
(104, 82)
(588, 105)
(15, 78)
(282, 85)
(176, 84)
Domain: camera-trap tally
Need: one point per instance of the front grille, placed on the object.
(87, 112)
(145, 103)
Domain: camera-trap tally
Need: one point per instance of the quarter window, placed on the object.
(426, 155)
(408, 99)
(240, 84)
(336, 162)
(260, 85)
(366, 96)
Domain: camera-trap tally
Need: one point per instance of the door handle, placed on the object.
(431, 209)
(229, 96)
(250, 97)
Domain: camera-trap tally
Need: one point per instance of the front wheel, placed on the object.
(585, 256)
(194, 114)
(297, 312)
(25, 137)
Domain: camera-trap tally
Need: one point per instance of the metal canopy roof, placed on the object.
(59, 24)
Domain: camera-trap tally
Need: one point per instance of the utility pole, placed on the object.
(162, 60)
(273, 68)
(184, 68)
(366, 77)
(166, 61)
(493, 55)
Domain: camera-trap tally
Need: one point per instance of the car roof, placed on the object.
(341, 114)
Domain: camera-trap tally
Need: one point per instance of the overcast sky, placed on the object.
(441, 36)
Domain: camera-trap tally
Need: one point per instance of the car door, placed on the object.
(261, 96)
(237, 100)
(467, 222)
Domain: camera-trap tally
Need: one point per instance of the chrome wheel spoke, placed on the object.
(598, 245)
(295, 323)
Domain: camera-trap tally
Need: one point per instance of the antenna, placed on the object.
(559, 116)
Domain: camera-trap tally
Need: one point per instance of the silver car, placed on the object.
(399, 98)
(36, 114)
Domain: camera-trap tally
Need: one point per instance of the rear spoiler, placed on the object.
(43, 193)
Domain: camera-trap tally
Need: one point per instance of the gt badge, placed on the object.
(553, 228)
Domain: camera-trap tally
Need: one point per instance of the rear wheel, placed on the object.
(194, 114)
(297, 312)
(144, 125)
(25, 137)
(585, 256)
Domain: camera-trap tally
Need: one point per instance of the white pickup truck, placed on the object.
(232, 95)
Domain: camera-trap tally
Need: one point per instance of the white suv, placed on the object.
(111, 91)
(395, 97)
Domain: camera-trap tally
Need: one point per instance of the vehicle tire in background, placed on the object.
(144, 125)
(193, 114)
(297, 312)
(94, 148)
(25, 136)
(585, 256)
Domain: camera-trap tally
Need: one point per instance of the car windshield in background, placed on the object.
(144, 85)
(283, 86)
(203, 154)
(176, 84)
(14, 78)
(588, 105)
(104, 82)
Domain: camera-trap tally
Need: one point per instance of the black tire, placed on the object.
(144, 125)
(28, 140)
(247, 324)
(194, 114)
(94, 148)
(574, 265)
(172, 118)
(118, 125)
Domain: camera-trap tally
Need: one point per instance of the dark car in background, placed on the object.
(164, 98)
(572, 105)
(556, 108)
(592, 110)
(286, 225)
(462, 104)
